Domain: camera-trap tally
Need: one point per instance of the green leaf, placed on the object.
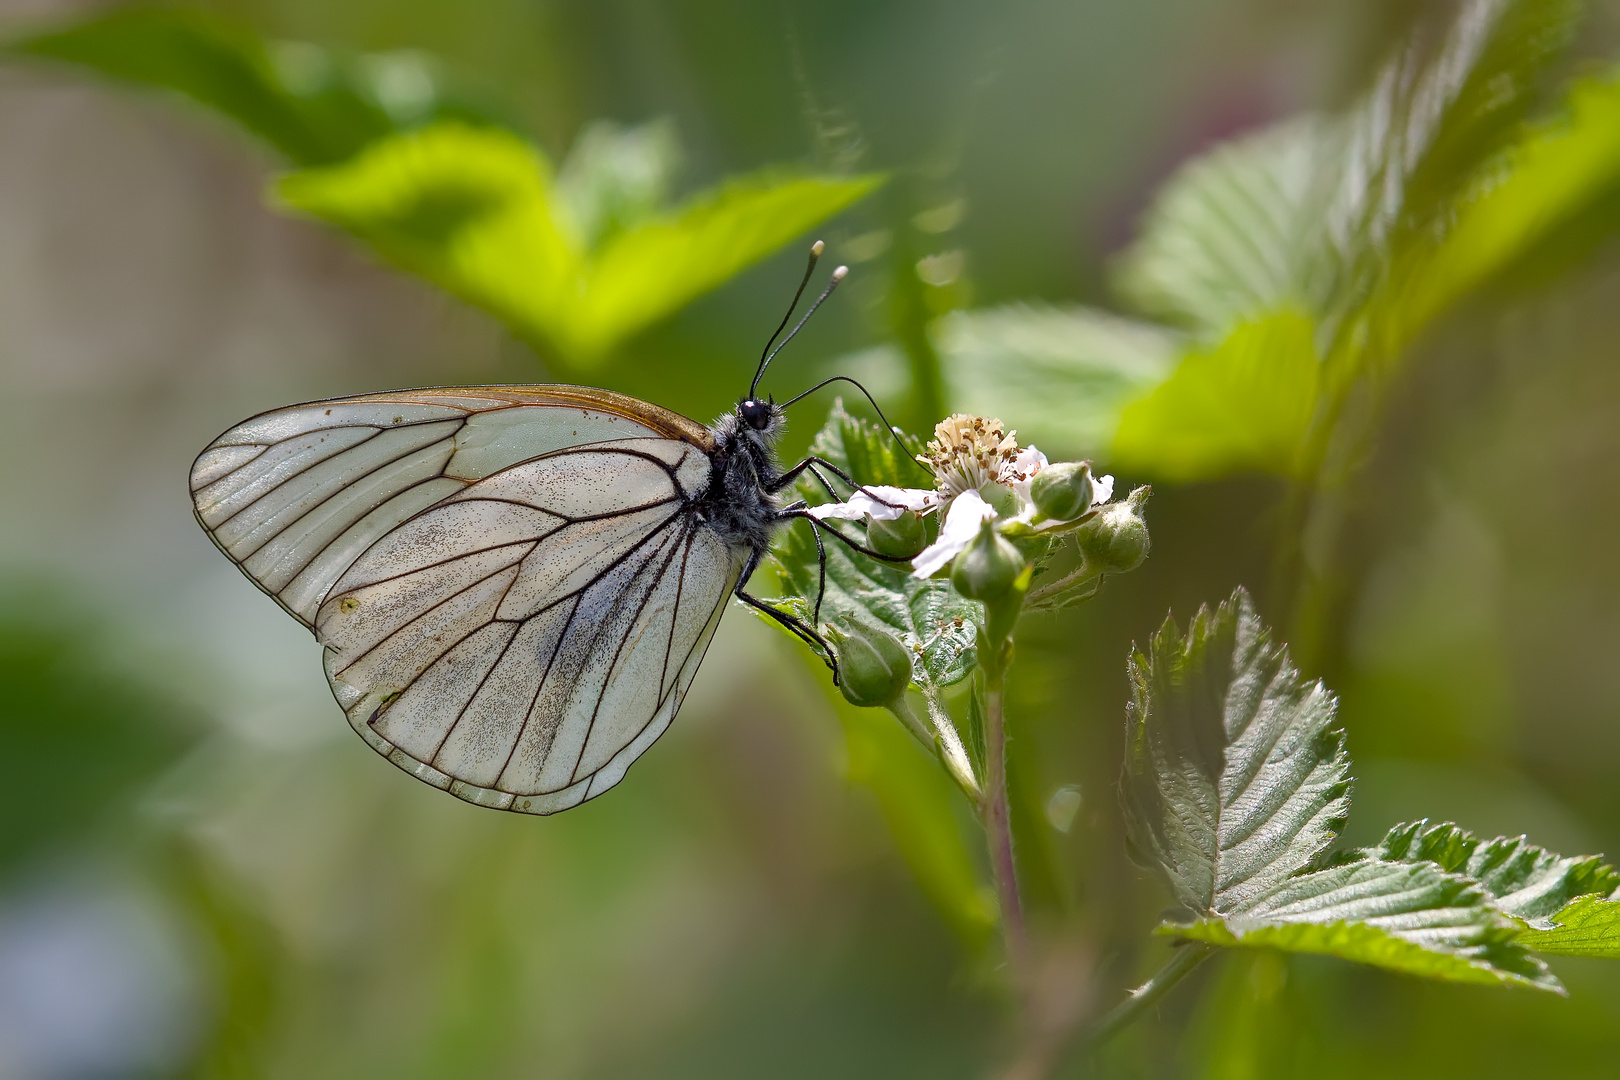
(1304, 214)
(1589, 926)
(1060, 375)
(1432, 118)
(476, 210)
(1555, 172)
(1519, 878)
(1244, 405)
(616, 177)
(1410, 918)
(1237, 232)
(665, 262)
(928, 616)
(311, 105)
(1234, 786)
(1234, 780)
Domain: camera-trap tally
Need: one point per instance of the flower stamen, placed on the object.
(969, 452)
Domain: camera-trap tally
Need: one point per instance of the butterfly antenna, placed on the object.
(837, 276)
(765, 354)
(894, 432)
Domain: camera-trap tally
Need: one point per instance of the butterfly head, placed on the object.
(764, 417)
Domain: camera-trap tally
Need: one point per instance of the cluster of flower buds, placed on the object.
(990, 498)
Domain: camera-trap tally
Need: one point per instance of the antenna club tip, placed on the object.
(817, 248)
(840, 273)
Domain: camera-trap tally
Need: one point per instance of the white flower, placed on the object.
(881, 502)
(968, 511)
(970, 456)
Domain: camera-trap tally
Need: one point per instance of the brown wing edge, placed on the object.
(665, 422)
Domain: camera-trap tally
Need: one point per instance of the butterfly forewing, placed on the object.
(510, 585)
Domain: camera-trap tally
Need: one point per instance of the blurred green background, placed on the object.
(202, 871)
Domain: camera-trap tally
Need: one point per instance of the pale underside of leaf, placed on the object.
(1060, 376)
(1408, 917)
(1234, 780)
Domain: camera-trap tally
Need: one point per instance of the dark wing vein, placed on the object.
(350, 482)
(563, 633)
(629, 626)
(698, 640)
(264, 447)
(425, 612)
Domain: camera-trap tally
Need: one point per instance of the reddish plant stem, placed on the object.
(998, 832)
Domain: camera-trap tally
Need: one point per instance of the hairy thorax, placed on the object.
(738, 504)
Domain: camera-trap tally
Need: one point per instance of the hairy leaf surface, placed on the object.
(1411, 918)
(1234, 786)
(1234, 778)
(1519, 878)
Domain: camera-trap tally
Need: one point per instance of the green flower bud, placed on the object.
(874, 669)
(988, 568)
(1116, 540)
(1002, 499)
(903, 537)
(1062, 491)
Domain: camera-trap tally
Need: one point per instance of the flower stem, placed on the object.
(948, 745)
(998, 827)
(1126, 1012)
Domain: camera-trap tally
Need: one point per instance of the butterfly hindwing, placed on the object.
(512, 595)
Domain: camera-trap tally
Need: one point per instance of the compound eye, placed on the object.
(756, 414)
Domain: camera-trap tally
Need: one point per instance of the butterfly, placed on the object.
(513, 586)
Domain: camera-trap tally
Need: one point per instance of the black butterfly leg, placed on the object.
(810, 464)
(817, 524)
(793, 474)
(804, 633)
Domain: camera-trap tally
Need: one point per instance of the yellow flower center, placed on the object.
(969, 452)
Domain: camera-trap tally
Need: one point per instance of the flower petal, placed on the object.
(967, 512)
(884, 503)
(1102, 489)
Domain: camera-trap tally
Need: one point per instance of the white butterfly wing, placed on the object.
(507, 614)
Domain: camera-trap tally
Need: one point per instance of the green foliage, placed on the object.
(1589, 926)
(579, 265)
(1234, 779)
(927, 616)
(438, 184)
(1246, 404)
(1310, 255)
(1410, 918)
(78, 738)
(1570, 904)
(1236, 232)
(1521, 879)
(311, 105)
(1558, 169)
(1234, 786)
(1063, 374)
